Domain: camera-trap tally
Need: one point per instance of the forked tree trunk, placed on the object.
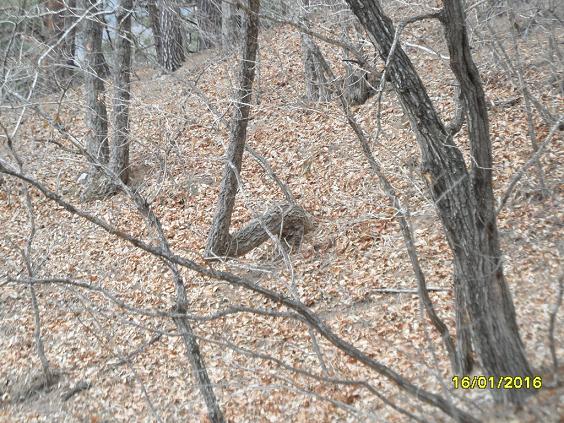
(464, 200)
(289, 222)
(119, 148)
(209, 23)
(94, 91)
(219, 238)
(496, 336)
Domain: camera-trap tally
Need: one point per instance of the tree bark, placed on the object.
(316, 81)
(464, 199)
(496, 336)
(119, 149)
(94, 91)
(219, 238)
(209, 23)
(169, 44)
(230, 25)
(287, 221)
(155, 21)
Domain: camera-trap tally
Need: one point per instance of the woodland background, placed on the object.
(114, 304)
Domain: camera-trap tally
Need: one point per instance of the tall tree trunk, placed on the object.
(219, 238)
(94, 91)
(167, 32)
(230, 25)
(119, 149)
(209, 23)
(464, 200)
(155, 21)
(486, 286)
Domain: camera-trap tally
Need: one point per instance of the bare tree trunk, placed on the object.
(155, 21)
(357, 86)
(119, 149)
(495, 335)
(94, 91)
(464, 200)
(230, 25)
(209, 23)
(317, 84)
(199, 368)
(219, 239)
(167, 33)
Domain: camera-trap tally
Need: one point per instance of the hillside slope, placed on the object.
(179, 134)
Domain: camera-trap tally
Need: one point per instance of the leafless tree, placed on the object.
(119, 149)
(202, 304)
(464, 199)
(169, 40)
(95, 94)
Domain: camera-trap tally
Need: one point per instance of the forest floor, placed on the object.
(179, 135)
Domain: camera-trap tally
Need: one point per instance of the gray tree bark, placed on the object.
(317, 84)
(288, 221)
(167, 33)
(316, 81)
(94, 91)
(230, 25)
(219, 238)
(464, 199)
(209, 23)
(119, 148)
(496, 337)
(155, 21)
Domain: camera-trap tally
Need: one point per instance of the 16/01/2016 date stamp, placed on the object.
(497, 382)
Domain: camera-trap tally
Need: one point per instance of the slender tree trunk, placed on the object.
(119, 149)
(464, 200)
(193, 352)
(219, 238)
(94, 91)
(209, 22)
